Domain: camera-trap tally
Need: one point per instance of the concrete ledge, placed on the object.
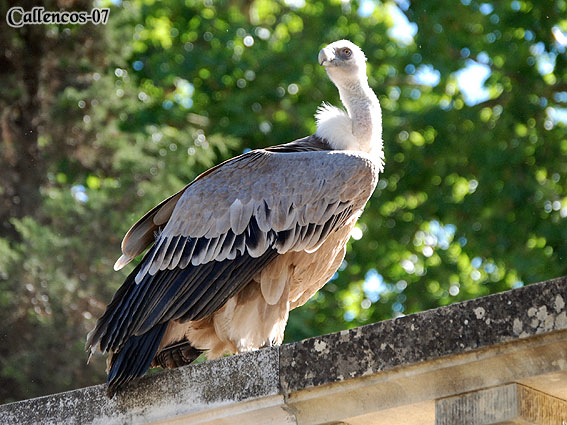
(392, 372)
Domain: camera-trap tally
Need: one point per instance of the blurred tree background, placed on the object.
(99, 123)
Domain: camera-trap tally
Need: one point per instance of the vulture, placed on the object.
(247, 241)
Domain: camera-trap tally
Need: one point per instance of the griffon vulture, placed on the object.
(247, 241)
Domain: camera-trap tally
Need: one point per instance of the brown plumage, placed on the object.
(247, 241)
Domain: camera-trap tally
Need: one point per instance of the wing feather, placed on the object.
(240, 214)
(178, 252)
(171, 251)
(200, 251)
(227, 245)
(262, 215)
(187, 252)
(251, 204)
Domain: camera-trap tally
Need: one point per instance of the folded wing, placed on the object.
(225, 227)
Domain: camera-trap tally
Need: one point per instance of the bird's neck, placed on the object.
(364, 110)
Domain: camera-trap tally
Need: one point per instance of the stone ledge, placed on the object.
(429, 335)
(167, 394)
(389, 372)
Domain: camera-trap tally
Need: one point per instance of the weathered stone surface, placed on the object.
(491, 406)
(458, 328)
(348, 376)
(510, 403)
(160, 396)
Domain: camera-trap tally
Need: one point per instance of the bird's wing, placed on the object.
(228, 225)
(142, 233)
(286, 201)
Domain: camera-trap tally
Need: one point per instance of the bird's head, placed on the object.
(344, 61)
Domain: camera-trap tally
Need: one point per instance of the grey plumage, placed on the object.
(325, 184)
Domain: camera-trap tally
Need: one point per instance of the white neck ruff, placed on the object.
(335, 126)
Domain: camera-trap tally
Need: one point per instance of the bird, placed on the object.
(229, 255)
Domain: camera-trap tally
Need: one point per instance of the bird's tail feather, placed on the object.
(134, 358)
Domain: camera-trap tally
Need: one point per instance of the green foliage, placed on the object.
(473, 199)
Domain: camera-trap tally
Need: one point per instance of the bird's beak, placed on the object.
(325, 57)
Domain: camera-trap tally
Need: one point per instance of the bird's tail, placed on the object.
(134, 358)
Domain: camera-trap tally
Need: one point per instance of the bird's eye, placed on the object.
(347, 52)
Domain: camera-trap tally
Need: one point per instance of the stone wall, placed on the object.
(496, 359)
